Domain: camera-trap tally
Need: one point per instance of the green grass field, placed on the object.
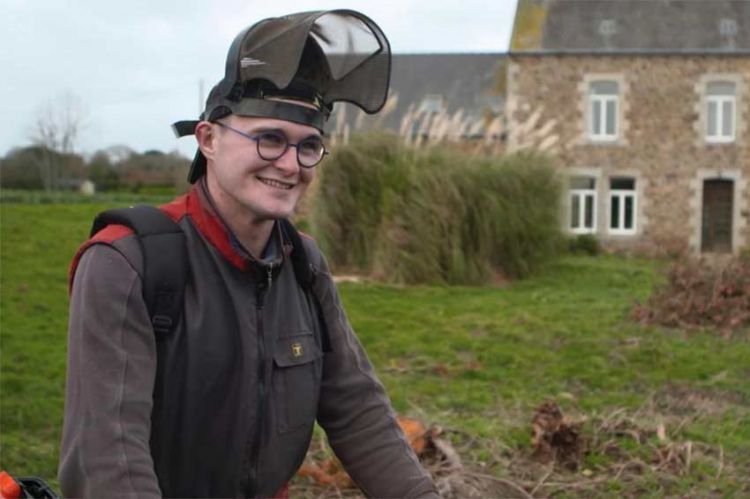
(475, 361)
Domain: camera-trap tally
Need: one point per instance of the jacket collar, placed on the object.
(198, 205)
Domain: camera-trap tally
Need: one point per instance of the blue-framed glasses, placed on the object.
(273, 145)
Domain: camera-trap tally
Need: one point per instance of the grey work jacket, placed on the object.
(240, 381)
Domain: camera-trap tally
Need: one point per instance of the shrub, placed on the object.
(584, 244)
(435, 216)
(357, 182)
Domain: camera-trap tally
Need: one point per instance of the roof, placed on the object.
(632, 26)
(472, 82)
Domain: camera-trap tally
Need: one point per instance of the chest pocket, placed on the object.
(296, 380)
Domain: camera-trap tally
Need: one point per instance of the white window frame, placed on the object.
(432, 104)
(603, 100)
(719, 101)
(621, 195)
(582, 195)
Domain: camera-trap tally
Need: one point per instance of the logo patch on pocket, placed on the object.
(297, 349)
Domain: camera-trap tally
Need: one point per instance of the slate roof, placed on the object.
(632, 26)
(473, 82)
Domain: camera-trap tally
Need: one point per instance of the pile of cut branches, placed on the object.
(630, 449)
(698, 294)
(323, 476)
(584, 456)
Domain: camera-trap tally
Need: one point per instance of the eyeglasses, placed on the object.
(273, 145)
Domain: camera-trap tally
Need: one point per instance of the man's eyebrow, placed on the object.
(265, 129)
(262, 129)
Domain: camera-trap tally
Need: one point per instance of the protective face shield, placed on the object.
(317, 57)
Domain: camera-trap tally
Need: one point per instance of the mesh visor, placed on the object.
(356, 56)
(346, 41)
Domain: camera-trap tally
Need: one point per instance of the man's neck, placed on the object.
(253, 236)
(252, 233)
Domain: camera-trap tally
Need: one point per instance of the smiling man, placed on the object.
(251, 178)
(221, 401)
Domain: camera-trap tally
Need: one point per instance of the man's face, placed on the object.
(247, 186)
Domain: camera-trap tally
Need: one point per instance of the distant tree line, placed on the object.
(115, 168)
(51, 162)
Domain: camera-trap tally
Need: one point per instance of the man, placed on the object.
(223, 405)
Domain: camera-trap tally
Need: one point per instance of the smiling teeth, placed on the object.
(276, 183)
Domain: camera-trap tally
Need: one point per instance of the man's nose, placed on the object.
(288, 161)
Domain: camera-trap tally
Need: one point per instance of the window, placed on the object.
(622, 206)
(431, 104)
(728, 27)
(582, 205)
(603, 110)
(720, 111)
(607, 28)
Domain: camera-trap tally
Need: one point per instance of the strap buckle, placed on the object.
(162, 324)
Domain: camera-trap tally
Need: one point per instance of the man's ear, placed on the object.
(205, 134)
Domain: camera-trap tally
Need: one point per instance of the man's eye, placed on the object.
(273, 140)
(311, 146)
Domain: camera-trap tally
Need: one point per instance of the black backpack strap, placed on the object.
(305, 274)
(165, 263)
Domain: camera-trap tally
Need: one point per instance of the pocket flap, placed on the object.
(296, 350)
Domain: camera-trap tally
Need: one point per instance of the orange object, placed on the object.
(415, 433)
(330, 472)
(9, 488)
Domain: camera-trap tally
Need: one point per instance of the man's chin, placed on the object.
(269, 209)
(275, 214)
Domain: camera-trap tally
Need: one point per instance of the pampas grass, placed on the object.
(435, 214)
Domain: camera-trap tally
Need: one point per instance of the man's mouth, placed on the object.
(276, 183)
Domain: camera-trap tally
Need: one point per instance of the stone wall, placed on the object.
(661, 141)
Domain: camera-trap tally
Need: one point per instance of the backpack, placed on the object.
(166, 267)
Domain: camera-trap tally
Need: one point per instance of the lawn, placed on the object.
(474, 361)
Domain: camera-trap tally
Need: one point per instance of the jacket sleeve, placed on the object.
(356, 413)
(110, 376)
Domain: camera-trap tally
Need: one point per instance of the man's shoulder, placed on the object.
(119, 238)
(123, 238)
(109, 235)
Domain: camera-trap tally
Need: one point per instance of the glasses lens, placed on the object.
(271, 145)
(310, 152)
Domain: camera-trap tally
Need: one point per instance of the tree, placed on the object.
(16, 169)
(153, 168)
(102, 172)
(55, 131)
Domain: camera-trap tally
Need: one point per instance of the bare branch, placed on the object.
(55, 132)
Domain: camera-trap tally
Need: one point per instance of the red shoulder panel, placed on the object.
(207, 222)
(177, 208)
(107, 235)
(210, 225)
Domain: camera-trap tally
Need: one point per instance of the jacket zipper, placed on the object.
(261, 289)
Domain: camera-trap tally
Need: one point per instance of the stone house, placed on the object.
(647, 103)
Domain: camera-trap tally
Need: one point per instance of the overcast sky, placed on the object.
(136, 64)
